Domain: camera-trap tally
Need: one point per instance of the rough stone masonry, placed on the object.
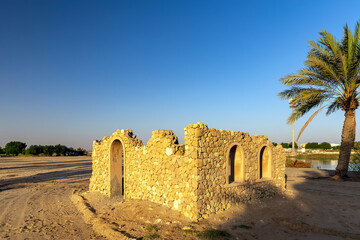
(213, 171)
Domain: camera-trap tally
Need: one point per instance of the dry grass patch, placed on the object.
(297, 164)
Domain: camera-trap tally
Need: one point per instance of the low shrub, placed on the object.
(152, 229)
(214, 234)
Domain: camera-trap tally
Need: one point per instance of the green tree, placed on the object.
(81, 151)
(290, 145)
(312, 145)
(48, 150)
(275, 144)
(336, 148)
(34, 150)
(285, 145)
(325, 145)
(71, 152)
(2, 151)
(14, 148)
(331, 75)
(60, 150)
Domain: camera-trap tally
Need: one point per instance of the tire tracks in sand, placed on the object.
(43, 209)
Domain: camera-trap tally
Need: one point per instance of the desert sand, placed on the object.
(36, 193)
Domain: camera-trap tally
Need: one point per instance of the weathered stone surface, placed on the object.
(191, 178)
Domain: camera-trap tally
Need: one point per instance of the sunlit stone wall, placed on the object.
(192, 178)
(214, 192)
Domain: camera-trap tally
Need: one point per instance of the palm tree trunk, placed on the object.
(347, 141)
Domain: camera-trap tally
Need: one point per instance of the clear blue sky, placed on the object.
(75, 71)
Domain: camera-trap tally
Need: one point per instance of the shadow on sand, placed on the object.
(313, 207)
(42, 172)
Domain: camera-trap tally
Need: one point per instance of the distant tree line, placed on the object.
(315, 145)
(15, 148)
(285, 145)
(288, 145)
(312, 145)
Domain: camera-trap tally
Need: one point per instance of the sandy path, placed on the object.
(35, 198)
(35, 203)
(309, 209)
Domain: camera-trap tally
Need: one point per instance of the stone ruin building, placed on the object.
(213, 171)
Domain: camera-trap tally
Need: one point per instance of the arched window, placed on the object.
(265, 162)
(116, 169)
(236, 164)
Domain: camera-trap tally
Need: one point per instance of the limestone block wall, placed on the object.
(214, 191)
(192, 178)
(100, 178)
(158, 172)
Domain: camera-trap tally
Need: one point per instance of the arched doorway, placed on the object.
(265, 162)
(236, 164)
(116, 169)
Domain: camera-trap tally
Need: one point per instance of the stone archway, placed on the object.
(265, 162)
(116, 168)
(236, 164)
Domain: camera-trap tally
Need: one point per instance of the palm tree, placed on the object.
(331, 77)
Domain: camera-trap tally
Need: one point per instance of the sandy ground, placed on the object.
(35, 198)
(35, 204)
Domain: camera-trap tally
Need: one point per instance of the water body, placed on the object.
(330, 164)
(323, 164)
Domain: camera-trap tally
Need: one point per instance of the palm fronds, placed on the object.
(331, 73)
(308, 121)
